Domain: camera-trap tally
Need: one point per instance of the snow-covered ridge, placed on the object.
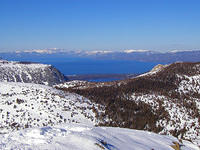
(179, 51)
(78, 84)
(155, 70)
(94, 52)
(170, 91)
(86, 137)
(72, 84)
(86, 52)
(143, 55)
(14, 64)
(25, 105)
(136, 51)
(41, 51)
(97, 52)
(11, 71)
(181, 103)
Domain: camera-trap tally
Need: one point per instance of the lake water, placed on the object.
(77, 66)
(102, 67)
(89, 66)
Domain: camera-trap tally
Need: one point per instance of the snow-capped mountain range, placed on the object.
(129, 54)
(92, 52)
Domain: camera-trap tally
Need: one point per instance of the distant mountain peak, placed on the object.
(179, 51)
(97, 52)
(41, 51)
(136, 51)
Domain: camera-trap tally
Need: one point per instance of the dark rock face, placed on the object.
(30, 73)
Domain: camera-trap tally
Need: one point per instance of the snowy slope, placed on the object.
(26, 72)
(24, 105)
(82, 84)
(86, 137)
(170, 94)
(181, 104)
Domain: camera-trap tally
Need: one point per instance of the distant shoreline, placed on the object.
(100, 77)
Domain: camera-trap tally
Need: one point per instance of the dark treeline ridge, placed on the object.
(121, 110)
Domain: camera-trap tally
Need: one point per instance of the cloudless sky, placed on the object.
(160, 25)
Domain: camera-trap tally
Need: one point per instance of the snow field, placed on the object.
(86, 137)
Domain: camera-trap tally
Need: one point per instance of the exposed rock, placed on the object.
(158, 67)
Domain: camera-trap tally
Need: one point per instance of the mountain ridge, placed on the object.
(28, 72)
(165, 101)
(130, 54)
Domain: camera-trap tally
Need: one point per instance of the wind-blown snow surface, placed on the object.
(24, 105)
(86, 137)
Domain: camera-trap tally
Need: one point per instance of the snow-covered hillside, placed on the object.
(51, 119)
(165, 100)
(181, 103)
(82, 84)
(24, 105)
(87, 137)
(29, 73)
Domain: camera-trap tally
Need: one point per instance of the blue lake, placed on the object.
(88, 66)
(79, 66)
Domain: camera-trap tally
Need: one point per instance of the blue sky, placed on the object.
(160, 25)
